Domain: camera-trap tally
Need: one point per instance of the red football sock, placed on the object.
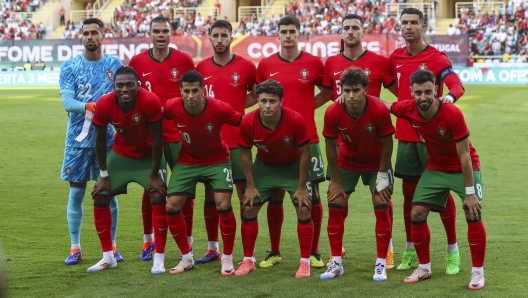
(146, 213)
(391, 214)
(449, 220)
(103, 226)
(305, 233)
(422, 239)
(317, 218)
(335, 229)
(159, 221)
(477, 242)
(178, 230)
(228, 229)
(249, 230)
(188, 214)
(345, 212)
(408, 188)
(275, 214)
(211, 221)
(383, 229)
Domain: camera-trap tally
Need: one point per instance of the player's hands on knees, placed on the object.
(472, 206)
(249, 197)
(158, 184)
(100, 185)
(335, 190)
(303, 198)
(385, 194)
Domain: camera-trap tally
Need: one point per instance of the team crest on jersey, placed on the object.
(209, 126)
(136, 118)
(423, 66)
(367, 72)
(369, 128)
(174, 74)
(109, 75)
(236, 77)
(441, 132)
(304, 74)
(287, 140)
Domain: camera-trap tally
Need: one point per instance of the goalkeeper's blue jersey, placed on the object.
(87, 81)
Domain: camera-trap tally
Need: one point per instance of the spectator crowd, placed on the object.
(14, 23)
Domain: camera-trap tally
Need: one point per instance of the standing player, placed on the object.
(227, 77)
(378, 70)
(453, 165)
(159, 70)
(283, 161)
(365, 152)
(203, 157)
(135, 157)
(298, 72)
(411, 157)
(83, 79)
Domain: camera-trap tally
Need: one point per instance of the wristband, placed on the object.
(470, 190)
(104, 174)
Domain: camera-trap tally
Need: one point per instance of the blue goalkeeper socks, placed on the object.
(114, 209)
(74, 213)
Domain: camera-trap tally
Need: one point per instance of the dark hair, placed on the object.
(222, 24)
(94, 21)
(353, 17)
(159, 20)
(354, 76)
(422, 76)
(289, 20)
(412, 10)
(125, 69)
(191, 76)
(270, 87)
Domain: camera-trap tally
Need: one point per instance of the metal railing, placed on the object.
(479, 6)
(395, 9)
(203, 10)
(266, 2)
(247, 11)
(98, 11)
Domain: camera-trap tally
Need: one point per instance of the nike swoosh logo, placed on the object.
(335, 73)
(399, 65)
(174, 235)
(272, 74)
(205, 79)
(332, 233)
(146, 74)
(188, 268)
(257, 140)
(162, 229)
(474, 244)
(227, 234)
(319, 174)
(423, 277)
(231, 185)
(341, 128)
(80, 77)
(181, 125)
(115, 123)
(101, 231)
(415, 126)
(382, 235)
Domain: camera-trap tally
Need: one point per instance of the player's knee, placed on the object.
(303, 212)
(223, 205)
(157, 199)
(419, 213)
(173, 205)
(101, 202)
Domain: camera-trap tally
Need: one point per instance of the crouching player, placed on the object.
(203, 157)
(366, 131)
(135, 157)
(282, 162)
(453, 164)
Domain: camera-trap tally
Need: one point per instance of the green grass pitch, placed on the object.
(34, 237)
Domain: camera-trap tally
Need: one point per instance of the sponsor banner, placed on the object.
(55, 52)
(34, 78)
(492, 76)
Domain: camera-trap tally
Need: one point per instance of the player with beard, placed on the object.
(159, 70)
(379, 72)
(411, 156)
(229, 78)
(298, 72)
(83, 79)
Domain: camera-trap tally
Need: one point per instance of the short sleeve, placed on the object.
(259, 78)
(320, 68)
(170, 109)
(252, 73)
(301, 131)
(385, 127)
(231, 116)
(153, 108)
(458, 125)
(102, 112)
(330, 125)
(387, 74)
(244, 139)
(327, 82)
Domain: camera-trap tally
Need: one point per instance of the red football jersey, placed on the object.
(439, 134)
(278, 146)
(360, 148)
(163, 78)
(202, 143)
(229, 83)
(298, 79)
(404, 65)
(377, 67)
(132, 138)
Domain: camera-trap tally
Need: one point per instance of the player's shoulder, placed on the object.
(370, 55)
(333, 59)
(450, 109)
(249, 117)
(150, 96)
(333, 108)
(106, 99)
(173, 103)
(376, 104)
(140, 57)
(274, 58)
(207, 62)
(292, 114)
(310, 57)
(398, 52)
(177, 54)
(242, 61)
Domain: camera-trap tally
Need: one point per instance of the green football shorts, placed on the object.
(411, 159)
(171, 152)
(316, 164)
(236, 165)
(184, 178)
(350, 179)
